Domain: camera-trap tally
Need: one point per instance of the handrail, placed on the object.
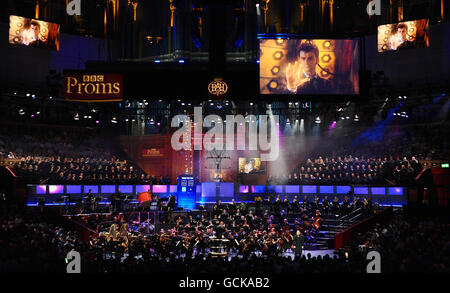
(345, 237)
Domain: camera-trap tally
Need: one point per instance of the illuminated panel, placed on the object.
(142, 188)
(56, 189)
(126, 188)
(395, 190)
(208, 192)
(159, 188)
(243, 189)
(361, 190)
(378, 190)
(292, 188)
(326, 189)
(226, 190)
(343, 189)
(108, 188)
(73, 189)
(94, 188)
(173, 188)
(275, 188)
(309, 188)
(41, 189)
(258, 188)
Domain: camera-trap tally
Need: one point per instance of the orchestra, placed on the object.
(236, 227)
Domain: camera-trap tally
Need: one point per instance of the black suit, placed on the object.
(406, 45)
(316, 85)
(298, 243)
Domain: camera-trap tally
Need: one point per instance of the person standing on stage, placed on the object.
(299, 240)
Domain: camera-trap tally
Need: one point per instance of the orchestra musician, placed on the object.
(116, 200)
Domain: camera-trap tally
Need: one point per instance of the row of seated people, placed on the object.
(85, 170)
(68, 156)
(348, 170)
(279, 206)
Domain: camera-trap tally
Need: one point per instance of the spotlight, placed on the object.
(37, 113)
(114, 120)
(317, 120)
(157, 61)
(356, 118)
(21, 112)
(181, 61)
(97, 122)
(76, 117)
(257, 61)
(251, 104)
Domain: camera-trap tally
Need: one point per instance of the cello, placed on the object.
(317, 220)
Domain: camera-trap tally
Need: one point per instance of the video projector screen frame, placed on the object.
(34, 33)
(260, 165)
(417, 35)
(332, 96)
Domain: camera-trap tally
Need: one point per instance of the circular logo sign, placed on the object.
(217, 87)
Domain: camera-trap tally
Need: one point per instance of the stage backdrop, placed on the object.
(154, 154)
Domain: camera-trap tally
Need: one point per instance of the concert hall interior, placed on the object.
(228, 136)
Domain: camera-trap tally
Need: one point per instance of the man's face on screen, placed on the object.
(309, 61)
(402, 32)
(35, 30)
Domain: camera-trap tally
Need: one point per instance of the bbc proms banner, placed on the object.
(89, 87)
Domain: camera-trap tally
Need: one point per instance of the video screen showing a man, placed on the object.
(313, 67)
(250, 166)
(33, 33)
(403, 35)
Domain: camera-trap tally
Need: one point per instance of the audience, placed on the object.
(69, 157)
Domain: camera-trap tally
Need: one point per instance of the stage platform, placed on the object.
(210, 192)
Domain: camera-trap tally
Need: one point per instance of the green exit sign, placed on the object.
(446, 165)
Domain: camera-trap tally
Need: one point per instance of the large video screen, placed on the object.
(33, 33)
(403, 35)
(251, 166)
(309, 66)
